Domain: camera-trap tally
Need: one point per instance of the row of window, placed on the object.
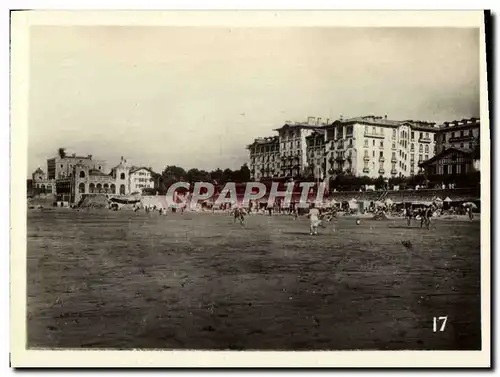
(263, 166)
(403, 155)
(462, 145)
(290, 134)
(402, 166)
(290, 145)
(43, 188)
(265, 149)
(461, 133)
(338, 132)
(107, 189)
(455, 169)
(71, 166)
(403, 134)
(264, 159)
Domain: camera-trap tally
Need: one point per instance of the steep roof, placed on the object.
(133, 169)
(446, 152)
(371, 120)
(299, 125)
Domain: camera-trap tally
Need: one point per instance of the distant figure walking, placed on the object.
(426, 216)
(270, 210)
(408, 215)
(314, 220)
(469, 212)
(239, 214)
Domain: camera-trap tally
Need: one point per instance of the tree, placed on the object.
(196, 175)
(243, 174)
(171, 174)
(379, 183)
(61, 152)
(227, 175)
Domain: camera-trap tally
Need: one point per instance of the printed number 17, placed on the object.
(435, 323)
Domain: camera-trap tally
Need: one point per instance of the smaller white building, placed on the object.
(140, 178)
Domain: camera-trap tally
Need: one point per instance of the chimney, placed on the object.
(385, 116)
(341, 117)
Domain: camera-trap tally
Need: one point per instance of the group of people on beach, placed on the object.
(425, 215)
(313, 215)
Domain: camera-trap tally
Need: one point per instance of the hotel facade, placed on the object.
(370, 146)
(458, 149)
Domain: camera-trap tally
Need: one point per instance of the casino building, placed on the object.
(71, 177)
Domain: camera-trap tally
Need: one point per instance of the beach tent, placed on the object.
(447, 200)
(470, 204)
(423, 203)
(353, 204)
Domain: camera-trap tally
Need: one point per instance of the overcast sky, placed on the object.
(195, 97)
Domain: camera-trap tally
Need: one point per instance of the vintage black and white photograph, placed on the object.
(277, 187)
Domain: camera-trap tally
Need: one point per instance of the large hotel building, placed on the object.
(370, 146)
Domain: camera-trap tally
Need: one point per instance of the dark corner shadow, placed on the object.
(489, 26)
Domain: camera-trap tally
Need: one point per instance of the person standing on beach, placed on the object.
(314, 220)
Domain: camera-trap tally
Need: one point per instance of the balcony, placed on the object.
(371, 134)
(340, 146)
(366, 170)
(461, 138)
(366, 158)
(394, 171)
(424, 140)
(394, 159)
(339, 158)
(382, 159)
(381, 171)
